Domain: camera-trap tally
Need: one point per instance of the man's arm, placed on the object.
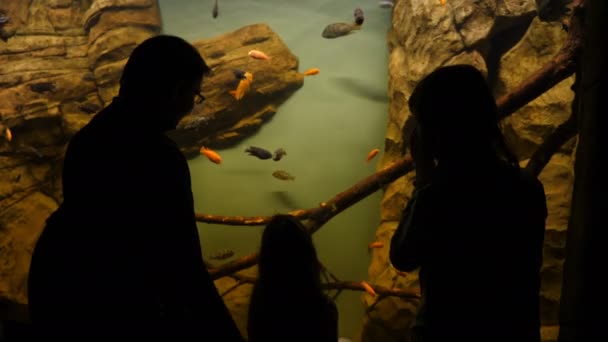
(191, 284)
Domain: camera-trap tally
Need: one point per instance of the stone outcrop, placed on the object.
(50, 85)
(61, 63)
(222, 120)
(508, 42)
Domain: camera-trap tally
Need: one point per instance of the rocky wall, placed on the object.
(51, 82)
(507, 40)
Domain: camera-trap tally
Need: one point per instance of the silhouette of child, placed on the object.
(287, 302)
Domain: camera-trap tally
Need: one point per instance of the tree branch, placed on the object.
(559, 68)
(564, 132)
(562, 66)
(346, 285)
(318, 216)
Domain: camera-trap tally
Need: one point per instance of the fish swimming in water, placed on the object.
(283, 175)
(4, 130)
(311, 71)
(359, 16)
(248, 76)
(222, 254)
(386, 3)
(372, 154)
(239, 74)
(245, 79)
(258, 55)
(4, 19)
(215, 11)
(279, 154)
(211, 155)
(242, 89)
(376, 244)
(368, 288)
(336, 30)
(258, 152)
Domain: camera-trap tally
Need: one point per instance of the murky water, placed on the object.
(327, 128)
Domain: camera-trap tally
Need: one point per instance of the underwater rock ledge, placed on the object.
(222, 120)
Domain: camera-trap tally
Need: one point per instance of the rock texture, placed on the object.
(61, 64)
(51, 82)
(507, 41)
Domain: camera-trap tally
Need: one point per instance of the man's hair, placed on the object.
(158, 64)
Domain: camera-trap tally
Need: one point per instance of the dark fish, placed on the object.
(386, 3)
(222, 254)
(283, 175)
(336, 30)
(278, 154)
(215, 10)
(42, 87)
(239, 74)
(4, 19)
(258, 152)
(359, 16)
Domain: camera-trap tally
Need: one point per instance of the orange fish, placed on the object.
(376, 244)
(211, 155)
(8, 134)
(241, 89)
(442, 2)
(248, 76)
(368, 288)
(372, 154)
(258, 55)
(311, 71)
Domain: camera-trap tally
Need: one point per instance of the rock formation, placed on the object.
(61, 63)
(508, 42)
(222, 120)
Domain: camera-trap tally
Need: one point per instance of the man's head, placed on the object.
(165, 73)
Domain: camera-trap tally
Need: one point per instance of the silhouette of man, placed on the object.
(475, 223)
(121, 256)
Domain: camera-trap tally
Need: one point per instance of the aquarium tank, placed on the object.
(306, 104)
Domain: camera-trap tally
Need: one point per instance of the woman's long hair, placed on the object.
(455, 104)
(288, 261)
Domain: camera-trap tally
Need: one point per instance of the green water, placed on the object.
(327, 128)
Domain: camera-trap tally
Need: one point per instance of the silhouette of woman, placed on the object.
(475, 223)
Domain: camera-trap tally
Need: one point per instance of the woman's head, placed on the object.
(287, 255)
(456, 111)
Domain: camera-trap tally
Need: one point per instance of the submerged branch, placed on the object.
(562, 66)
(327, 210)
(347, 285)
(559, 68)
(359, 191)
(564, 132)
